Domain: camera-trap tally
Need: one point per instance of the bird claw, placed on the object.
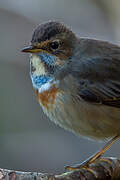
(77, 167)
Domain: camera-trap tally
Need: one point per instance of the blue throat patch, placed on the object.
(38, 81)
(47, 58)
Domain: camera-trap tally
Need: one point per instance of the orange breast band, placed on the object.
(47, 98)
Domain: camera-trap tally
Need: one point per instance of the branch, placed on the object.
(104, 169)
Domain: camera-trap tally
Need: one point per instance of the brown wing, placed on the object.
(106, 93)
(99, 75)
(95, 67)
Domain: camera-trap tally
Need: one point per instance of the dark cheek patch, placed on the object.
(47, 58)
(32, 68)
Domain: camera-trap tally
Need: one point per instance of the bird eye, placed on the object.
(54, 45)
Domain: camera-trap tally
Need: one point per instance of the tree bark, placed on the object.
(104, 169)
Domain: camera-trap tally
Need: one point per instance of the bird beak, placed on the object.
(31, 49)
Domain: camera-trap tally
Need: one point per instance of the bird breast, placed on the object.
(47, 98)
(79, 116)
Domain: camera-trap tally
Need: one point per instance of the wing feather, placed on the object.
(102, 94)
(95, 67)
(98, 72)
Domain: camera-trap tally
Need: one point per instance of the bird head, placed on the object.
(52, 45)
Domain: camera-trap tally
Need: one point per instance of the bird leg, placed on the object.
(93, 158)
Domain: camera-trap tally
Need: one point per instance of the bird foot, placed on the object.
(94, 158)
(77, 167)
(84, 164)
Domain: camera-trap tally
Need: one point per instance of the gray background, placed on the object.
(28, 140)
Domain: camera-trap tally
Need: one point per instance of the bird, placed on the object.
(77, 83)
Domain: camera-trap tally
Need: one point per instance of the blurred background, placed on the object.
(28, 140)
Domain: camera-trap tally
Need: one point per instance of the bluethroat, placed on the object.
(77, 83)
